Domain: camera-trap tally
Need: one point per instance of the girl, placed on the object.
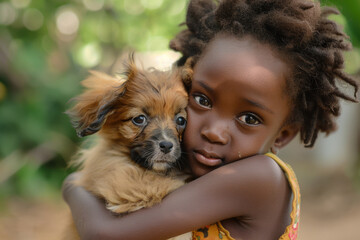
(262, 71)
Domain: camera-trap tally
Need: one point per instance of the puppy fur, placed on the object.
(140, 121)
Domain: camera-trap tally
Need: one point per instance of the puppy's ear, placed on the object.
(96, 103)
(187, 73)
(130, 67)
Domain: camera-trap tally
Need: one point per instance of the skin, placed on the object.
(237, 112)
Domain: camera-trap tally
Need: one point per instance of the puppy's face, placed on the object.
(143, 116)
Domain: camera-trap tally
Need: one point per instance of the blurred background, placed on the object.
(47, 48)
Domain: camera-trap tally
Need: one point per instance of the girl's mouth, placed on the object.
(207, 159)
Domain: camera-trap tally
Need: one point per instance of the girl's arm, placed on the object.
(234, 190)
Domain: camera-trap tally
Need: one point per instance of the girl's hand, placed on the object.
(89, 214)
(68, 184)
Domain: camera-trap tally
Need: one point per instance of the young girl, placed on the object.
(261, 71)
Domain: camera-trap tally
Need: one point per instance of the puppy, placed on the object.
(140, 121)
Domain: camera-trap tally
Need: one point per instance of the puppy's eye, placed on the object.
(140, 120)
(180, 121)
(203, 101)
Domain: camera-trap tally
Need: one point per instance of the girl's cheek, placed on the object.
(189, 130)
(192, 126)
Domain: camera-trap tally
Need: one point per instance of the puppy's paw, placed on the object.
(123, 208)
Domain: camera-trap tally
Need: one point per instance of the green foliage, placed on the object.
(349, 19)
(350, 9)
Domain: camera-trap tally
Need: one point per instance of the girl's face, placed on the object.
(237, 104)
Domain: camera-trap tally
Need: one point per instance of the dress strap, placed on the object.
(292, 229)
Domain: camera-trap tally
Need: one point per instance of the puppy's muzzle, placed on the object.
(166, 146)
(161, 152)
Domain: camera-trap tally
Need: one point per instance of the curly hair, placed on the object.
(299, 29)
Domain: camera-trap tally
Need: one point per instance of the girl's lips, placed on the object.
(208, 161)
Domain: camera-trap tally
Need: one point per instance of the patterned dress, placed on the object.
(217, 232)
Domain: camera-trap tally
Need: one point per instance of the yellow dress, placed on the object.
(217, 232)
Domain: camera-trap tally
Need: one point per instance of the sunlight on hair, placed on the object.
(7, 13)
(133, 7)
(93, 5)
(67, 21)
(339, 19)
(33, 19)
(152, 4)
(20, 3)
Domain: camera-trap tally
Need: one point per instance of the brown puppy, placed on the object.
(140, 121)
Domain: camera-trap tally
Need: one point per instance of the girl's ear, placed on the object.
(96, 103)
(285, 135)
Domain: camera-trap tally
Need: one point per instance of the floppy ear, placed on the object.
(96, 103)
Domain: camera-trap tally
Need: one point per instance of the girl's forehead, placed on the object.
(245, 50)
(245, 57)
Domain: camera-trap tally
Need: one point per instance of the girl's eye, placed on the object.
(202, 101)
(140, 120)
(180, 121)
(249, 119)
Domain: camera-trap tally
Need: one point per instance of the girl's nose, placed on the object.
(216, 134)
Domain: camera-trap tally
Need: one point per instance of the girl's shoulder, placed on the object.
(250, 184)
(255, 190)
(258, 170)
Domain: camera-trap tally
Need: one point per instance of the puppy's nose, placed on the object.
(165, 146)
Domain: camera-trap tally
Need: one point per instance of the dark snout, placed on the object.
(166, 146)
